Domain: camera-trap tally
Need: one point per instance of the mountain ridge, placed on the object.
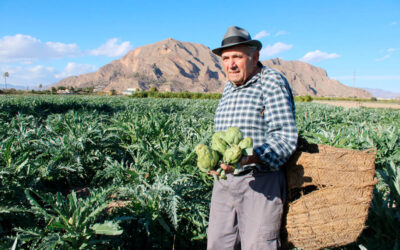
(172, 65)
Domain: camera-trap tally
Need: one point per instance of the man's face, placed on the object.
(238, 65)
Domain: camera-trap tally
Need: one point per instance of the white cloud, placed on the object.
(76, 69)
(389, 53)
(383, 57)
(112, 49)
(317, 56)
(393, 23)
(277, 48)
(261, 34)
(27, 49)
(39, 74)
(281, 33)
(31, 75)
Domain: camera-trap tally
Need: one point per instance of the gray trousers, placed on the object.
(246, 211)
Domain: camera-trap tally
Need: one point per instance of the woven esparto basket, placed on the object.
(329, 194)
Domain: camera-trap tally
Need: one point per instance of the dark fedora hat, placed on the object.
(236, 36)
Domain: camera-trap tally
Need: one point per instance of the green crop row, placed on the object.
(111, 172)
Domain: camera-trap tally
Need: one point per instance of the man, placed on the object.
(246, 208)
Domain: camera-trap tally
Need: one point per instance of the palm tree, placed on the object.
(5, 77)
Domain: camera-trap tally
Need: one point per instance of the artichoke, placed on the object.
(217, 143)
(232, 135)
(207, 158)
(219, 134)
(246, 145)
(232, 155)
(230, 144)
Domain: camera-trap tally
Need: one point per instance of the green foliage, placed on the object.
(70, 222)
(384, 230)
(136, 158)
(107, 228)
(352, 99)
(185, 94)
(306, 98)
(55, 144)
(153, 89)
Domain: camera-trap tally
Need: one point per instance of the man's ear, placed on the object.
(256, 56)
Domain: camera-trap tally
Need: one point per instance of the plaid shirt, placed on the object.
(263, 109)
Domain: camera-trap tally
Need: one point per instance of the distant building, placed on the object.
(129, 91)
(64, 91)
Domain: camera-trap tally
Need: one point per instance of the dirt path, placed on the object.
(354, 104)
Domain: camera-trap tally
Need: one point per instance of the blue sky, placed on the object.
(42, 42)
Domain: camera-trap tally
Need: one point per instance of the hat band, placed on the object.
(233, 39)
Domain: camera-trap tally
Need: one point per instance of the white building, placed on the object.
(128, 91)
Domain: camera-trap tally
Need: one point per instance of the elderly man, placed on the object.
(246, 208)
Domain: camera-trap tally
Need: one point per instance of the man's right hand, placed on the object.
(228, 169)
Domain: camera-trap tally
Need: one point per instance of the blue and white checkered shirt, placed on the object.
(263, 109)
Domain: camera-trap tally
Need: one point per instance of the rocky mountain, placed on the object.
(172, 65)
(169, 65)
(306, 79)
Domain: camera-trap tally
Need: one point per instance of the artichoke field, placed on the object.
(85, 172)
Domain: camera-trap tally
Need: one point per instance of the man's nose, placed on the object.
(232, 64)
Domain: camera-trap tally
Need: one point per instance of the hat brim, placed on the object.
(218, 51)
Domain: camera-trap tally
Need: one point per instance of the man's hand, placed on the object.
(249, 159)
(228, 169)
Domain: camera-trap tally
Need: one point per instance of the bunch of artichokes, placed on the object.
(228, 146)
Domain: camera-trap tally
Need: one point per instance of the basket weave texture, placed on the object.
(329, 194)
